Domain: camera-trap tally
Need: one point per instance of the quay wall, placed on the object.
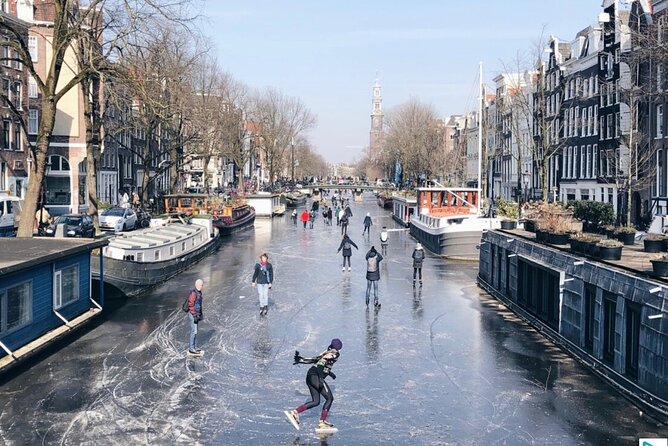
(613, 320)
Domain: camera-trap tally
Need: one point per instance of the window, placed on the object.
(609, 317)
(5, 133)
(33, 121)
(588, 171)
(140, 256)
(5, 55)
(18, 95)
(585, 122)
(17, 137)
(659, 77)
(609, 126)
(617, 124)
(583, 162)
(17, 62)
(15, 306)
(32, 48)
(156, 254)
(183, 246)
(4, 6)
(604, 94)
(595, 120)
(632, 339)
(33, 91)
(65, 286)
(589, 311)
(659, 121)
(171, 251)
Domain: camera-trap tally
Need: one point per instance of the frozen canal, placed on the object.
(440, 365)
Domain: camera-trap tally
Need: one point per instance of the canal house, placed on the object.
(612, 316)
(45, 292)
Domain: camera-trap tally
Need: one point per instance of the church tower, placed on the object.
(376, 134)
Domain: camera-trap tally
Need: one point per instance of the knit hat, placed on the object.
(418, 246)
(368, 214)
(336, 343)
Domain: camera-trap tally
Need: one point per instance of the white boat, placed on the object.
(404, 209)
(266, 204)
(448, 222)
(137, 260)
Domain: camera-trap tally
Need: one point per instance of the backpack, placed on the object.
(383, 236)
(419, 255)
(185, 305)
(372, 264)
(347, 245)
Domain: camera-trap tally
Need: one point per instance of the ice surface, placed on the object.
(441, 364)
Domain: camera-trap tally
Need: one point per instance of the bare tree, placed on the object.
(71, 22)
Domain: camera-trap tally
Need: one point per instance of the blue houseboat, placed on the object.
(45, 293)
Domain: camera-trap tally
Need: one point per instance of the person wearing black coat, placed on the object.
(373, 259)
(418, 258)
(367, 224)
(347, 246)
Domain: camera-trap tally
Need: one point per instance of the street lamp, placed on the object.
(292, 145)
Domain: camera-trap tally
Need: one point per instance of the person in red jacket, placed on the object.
(195, 316)
(304, 217)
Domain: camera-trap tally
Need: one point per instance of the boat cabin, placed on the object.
(403, 209)
(45, 292)
(447, 201)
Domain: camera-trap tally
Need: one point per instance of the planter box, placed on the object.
(653, 245)
(508, 224)
(660, 267)
(607, 253)
(557, 239)
(577, 246)
(541, 236)
(626, 238)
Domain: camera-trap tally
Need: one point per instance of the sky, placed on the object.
(328, 53)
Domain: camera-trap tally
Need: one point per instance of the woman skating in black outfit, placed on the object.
(315, 380)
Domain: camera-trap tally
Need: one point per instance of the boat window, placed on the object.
(171, 250)
(129, 257)
(66, 286)
(17, 299)
(193, 240)
(140, 256)
(183, 246)
(157, 254)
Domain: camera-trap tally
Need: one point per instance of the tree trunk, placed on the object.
(92, 125)
(173, 169)
(146, 162)
(47, 121)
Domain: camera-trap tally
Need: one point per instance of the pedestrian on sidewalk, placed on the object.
(304, 217)
(373, 259)
(347, 246)
(384, 240)
(315, 380)
(195, 316)
(367, 224)
(344, 224)
(263, 277)
(418, 258)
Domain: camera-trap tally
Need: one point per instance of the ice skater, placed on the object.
(194, 306)
(311, 218)
(418, 258)
(315, 380)
(384, 240)
(294, 217)
(373, 259)
(347, 246)
(304, 217)
(367, 224)
(263, 277)
(344, 224)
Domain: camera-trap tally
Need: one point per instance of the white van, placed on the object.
(10, 214)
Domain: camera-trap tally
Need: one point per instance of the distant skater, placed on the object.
(344, 224)
(294, 217)
(384, 240)
(418, 258)
(315, 380)
(304, 217)
(263, 277)
(373, 259)
(367, 224)
(195, 316)
(347, 246)
(311, 218)
(329, 216)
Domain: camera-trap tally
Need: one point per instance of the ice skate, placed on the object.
(293, 417)
(325, 427)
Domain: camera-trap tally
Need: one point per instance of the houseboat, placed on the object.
(403, 209)
(135, 261)
(228, 216)
(449, 222)
(266, 204)
(385, 201)
(46, 289)
(294, 199)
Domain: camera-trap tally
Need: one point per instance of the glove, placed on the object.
(332, 375)
(297, 358)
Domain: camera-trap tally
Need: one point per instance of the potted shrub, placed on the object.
(608, 231)
(660, 265)
(653, 242)
(508, 211)
(583, 243)
(609, 249)
(593, 214)
(555, 221)
(626, 235)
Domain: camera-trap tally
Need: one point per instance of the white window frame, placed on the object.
(659, 121)
(4, 307)
(33, 121)
(58, 287)
(33, 48)
(33, 90)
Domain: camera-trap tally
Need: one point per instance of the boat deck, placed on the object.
(633, 259)
(145, 238)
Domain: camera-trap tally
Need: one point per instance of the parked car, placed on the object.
(76, 225)
(118, 219)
